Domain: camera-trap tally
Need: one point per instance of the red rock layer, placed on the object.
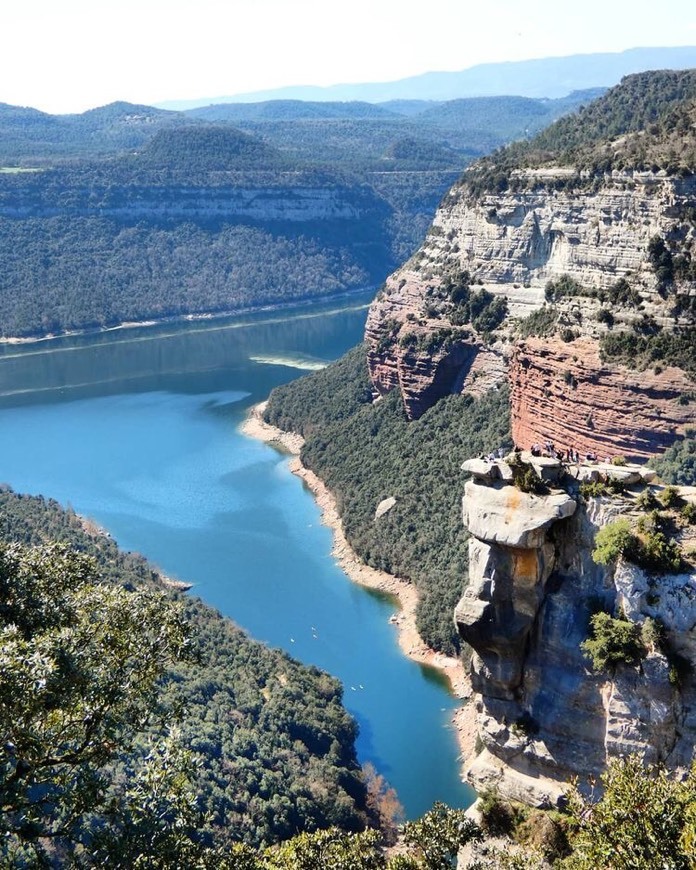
(423, 374)
(562, 392)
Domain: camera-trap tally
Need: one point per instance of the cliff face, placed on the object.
(563, 392)
(553, 269)
(282, 200)
(530, 236)
(543, 715)
(511, 245)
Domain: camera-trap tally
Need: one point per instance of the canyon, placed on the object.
(570, 288)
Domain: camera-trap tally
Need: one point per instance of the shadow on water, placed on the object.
(435, 677)
(367, 742)
(385, 597)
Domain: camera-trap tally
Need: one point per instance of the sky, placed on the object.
(71, 55)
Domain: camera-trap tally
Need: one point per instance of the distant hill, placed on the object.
(210, 148)
(29, 135)
(543, 77)
(289, 110)
(353, 134)
(140, 213)
(359, 133)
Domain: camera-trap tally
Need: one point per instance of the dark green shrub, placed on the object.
(652, 634)
(661, 260)
(688, 512)
(540, 322)
(646, 500)
(612, 642)
(524, 477)
(499, 817)
(659, 554)
(563, 286)
(622, 293)
(614, 540)
(593, 489)
(605, 316)
(670, 498)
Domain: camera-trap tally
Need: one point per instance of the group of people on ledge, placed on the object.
(569, 455)
(549, 451)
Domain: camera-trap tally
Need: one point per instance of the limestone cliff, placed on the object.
(511, 245)
(543, 715)
(584, 236)
(566, 268)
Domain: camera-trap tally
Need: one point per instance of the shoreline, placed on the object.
(15, 341)
(405, 594)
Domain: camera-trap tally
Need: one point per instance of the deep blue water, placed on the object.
(138, 430)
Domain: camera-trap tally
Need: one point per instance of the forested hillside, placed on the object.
(365, 453)
(643, 124)
(272, 746)
(129, 213)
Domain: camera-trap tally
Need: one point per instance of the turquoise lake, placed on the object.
(138, 429)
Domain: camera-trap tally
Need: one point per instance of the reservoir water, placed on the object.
(138, 429)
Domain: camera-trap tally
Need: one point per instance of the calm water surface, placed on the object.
(138, 430)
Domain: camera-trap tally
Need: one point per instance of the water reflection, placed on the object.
(168, 356)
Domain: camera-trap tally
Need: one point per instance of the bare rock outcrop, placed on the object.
(511, 245)
(544, 716)
(507, 516)
(542, 232)
(412, 352)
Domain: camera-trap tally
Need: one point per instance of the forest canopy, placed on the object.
(264, 742)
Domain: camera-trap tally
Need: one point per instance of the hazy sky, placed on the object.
(71, 55)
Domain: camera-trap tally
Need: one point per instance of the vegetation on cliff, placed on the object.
(265, 742)
(644, 819)
(641, 124)
(656, 348)
(677, 464)
(612, 642)
(366, 453)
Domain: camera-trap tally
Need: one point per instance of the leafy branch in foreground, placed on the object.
(643, 820)
(79, 667)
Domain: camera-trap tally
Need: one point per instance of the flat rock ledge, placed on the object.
(501, 514)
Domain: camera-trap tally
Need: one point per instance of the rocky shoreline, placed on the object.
(410, 642)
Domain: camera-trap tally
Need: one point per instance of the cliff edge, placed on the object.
(569, 271)
(546, 713)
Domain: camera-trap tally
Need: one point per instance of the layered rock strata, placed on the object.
(564, 393)
(543, 716)
(540, 233)
(511, 245)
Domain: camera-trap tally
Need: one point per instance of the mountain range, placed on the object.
(541, 77)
